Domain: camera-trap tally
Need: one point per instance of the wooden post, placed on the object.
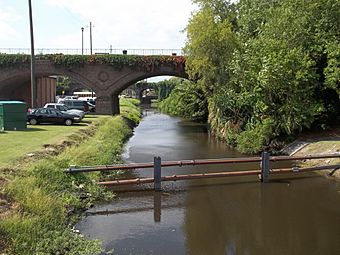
(157, 173)
(265, 167)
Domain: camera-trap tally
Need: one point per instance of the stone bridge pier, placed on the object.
(107, 104)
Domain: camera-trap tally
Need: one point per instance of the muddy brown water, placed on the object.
(297, 214)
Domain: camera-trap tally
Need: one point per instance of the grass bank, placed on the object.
(19, 144)
(44, 200)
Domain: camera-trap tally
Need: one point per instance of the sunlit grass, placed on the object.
(42, 193)
(17, 144)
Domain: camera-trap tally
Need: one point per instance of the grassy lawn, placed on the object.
(39, 202)
(17, 144)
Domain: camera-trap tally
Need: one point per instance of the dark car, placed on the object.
(76, 104)
(46, 115)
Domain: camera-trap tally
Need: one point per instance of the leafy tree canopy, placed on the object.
(270, 68)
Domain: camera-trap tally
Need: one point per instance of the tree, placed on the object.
(269, 68)
(63, 84)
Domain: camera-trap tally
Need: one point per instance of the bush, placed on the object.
(255, 138)
(186, 100)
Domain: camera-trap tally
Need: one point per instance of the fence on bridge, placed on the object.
(264, 172)
(145, 52)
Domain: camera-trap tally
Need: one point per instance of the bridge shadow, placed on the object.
(91, 116)
(34, 129)
(82, 124)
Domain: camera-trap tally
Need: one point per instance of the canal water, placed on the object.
(232, 216)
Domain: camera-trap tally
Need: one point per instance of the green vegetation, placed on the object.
(44, 200)
(148, 63)
(20, 143)
(185, 100)
(165, 87)
(269, 69)
(63, 85)
(128, 109)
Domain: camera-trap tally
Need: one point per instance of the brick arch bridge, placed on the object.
(141, 87)
(106, 80)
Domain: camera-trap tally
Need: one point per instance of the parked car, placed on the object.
(92, 107)
(63, 108)
(67, 98)
(76, 104)
(47, 115)
(92, 101)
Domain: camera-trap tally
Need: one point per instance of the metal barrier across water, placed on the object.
(264, 172)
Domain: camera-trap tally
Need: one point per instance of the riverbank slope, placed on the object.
(43, 201)
(325, 142)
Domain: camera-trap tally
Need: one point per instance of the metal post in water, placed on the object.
(157, 173)
(157, 206)
(265, 167)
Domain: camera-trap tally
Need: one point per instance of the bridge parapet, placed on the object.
(71, 51)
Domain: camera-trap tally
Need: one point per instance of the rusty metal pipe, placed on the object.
(164, 164)
(127, 182)
(215, 175)
(286, 158)
(209, 175)
(195, 162)
(180, 177)
(306, 169)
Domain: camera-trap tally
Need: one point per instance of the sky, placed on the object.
(123, 24)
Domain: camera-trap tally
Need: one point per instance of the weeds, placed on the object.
(46, 198)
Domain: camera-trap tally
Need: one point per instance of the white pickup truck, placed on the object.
(65, 109)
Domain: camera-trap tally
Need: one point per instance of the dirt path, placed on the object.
(323, 142)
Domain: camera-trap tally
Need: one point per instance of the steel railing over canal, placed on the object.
(263, 172)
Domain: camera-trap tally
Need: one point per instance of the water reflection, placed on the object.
(214, 216)
(157, 206)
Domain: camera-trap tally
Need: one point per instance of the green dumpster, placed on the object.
(13, 115)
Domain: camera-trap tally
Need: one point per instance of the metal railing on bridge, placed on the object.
(70, 51)
(264, 172)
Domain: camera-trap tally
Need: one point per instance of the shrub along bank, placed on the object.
(270, 69)
(185, 100)
(45, 200)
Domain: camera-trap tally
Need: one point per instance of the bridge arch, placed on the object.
(105, 80)
(141, 87)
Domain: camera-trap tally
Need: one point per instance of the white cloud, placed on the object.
(8, 16)
(131, 23)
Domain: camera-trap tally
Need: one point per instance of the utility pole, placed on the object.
(82, 41)
(91, 38)
(33, 81)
